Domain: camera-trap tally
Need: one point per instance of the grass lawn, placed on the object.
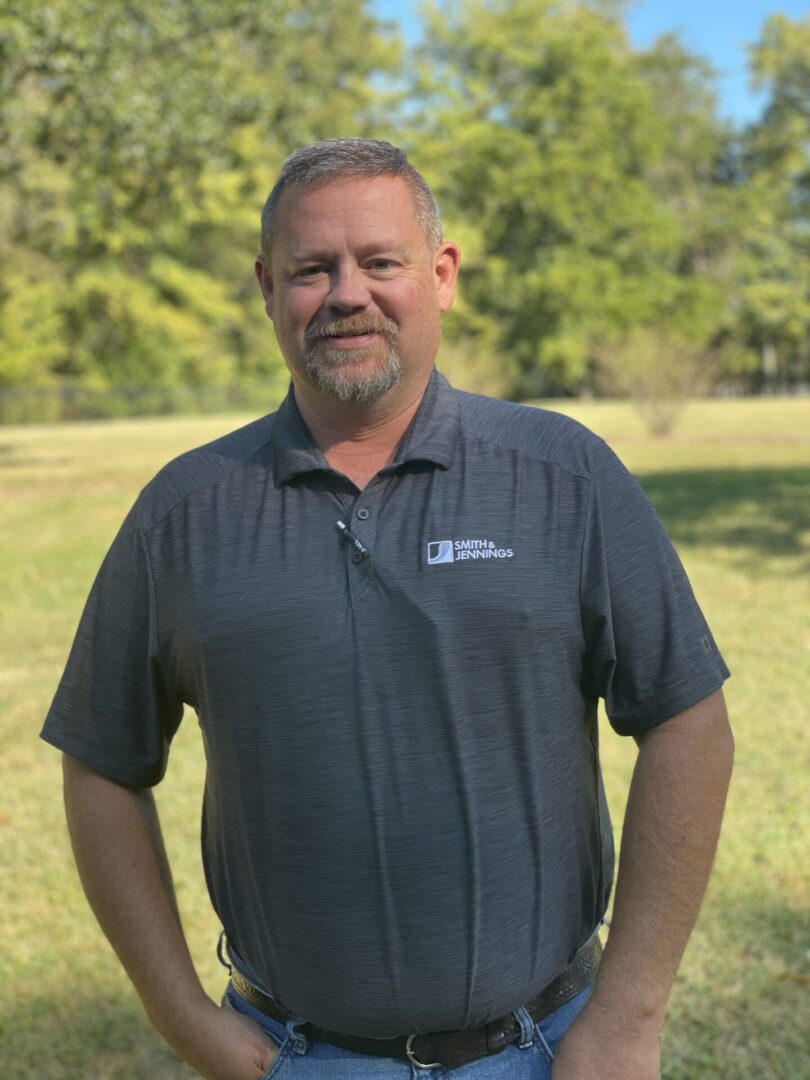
(733, 487)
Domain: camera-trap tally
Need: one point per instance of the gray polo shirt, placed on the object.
(404, 827)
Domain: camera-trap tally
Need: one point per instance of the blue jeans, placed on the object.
(303, 1058)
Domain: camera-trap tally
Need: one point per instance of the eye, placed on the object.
(310, 271)
(381, 264)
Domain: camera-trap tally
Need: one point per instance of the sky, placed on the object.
(719, 30)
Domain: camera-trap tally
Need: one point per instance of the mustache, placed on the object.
(354, 324)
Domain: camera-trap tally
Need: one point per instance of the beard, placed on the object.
(333, 371)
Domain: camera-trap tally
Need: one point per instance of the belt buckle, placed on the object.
(414, 1060)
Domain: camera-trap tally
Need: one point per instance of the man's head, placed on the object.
(354, 271)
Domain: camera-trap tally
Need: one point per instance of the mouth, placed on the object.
(350, 341)
(354, 333)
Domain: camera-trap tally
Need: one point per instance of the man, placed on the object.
(394, 608)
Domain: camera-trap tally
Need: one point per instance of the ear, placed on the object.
(265, 278)
(445, 272)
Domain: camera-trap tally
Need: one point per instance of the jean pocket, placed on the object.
(281, 1059)
(543, 1046)
(551, 1029)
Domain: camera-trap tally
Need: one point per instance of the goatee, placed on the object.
(332, 370)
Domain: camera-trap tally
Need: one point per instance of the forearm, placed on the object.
(672, 823)
(123, 867)
(122, 863)
(670, 834)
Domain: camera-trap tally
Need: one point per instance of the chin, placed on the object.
(349, 378)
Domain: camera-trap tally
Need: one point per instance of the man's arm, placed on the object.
(669, 839)
(123, 867)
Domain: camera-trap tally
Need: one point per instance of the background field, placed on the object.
(732, 488)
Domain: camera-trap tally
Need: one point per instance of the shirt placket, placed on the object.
(363, 518)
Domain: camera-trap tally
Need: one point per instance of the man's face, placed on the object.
(354, 293)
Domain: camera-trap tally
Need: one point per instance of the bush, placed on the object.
(657, 373)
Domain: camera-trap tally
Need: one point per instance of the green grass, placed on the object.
(732, 486)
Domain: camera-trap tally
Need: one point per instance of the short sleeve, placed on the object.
(649, 651)
(115, 708)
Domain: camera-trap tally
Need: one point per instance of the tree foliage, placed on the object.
(138, 143)
(590, 171)
(774, 266)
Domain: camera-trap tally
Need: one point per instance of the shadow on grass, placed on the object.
(745, 1017)
(772, 936)
(756, 514)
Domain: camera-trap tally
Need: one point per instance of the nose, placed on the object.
(348, 289)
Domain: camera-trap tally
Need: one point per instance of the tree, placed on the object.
(657, 372)
(137, 145)
(565, 156)
(773, 279)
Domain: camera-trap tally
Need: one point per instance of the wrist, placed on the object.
(633, 984)
(630, 1012)
(181, 1019)
(221, 1043)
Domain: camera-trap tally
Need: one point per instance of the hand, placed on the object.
(222, 1044)
(600, 1045)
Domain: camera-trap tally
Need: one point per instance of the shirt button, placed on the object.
(362, 513)
(357, 557)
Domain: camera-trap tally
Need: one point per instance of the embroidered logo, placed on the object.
(447, 551)
(440, 551)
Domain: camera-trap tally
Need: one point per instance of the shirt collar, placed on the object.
(431, 436)
(433, 432)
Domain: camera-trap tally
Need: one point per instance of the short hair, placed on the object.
(333, 160)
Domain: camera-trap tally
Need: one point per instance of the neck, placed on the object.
(356, 439)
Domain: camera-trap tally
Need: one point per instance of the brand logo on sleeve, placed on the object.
(447, 551)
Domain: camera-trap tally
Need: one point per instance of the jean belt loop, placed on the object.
(298, 1038)
(527, 1029)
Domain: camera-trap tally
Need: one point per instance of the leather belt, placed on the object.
(450, 1049)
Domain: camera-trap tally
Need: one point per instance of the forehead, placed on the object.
(358, 206)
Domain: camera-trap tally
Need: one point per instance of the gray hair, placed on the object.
(345, 159)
